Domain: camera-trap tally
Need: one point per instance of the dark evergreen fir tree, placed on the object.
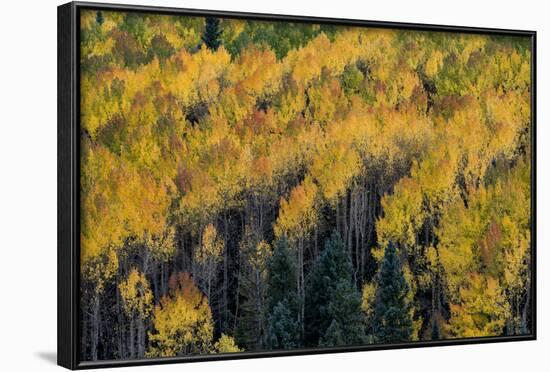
(283, 329)
(212, 33)
(334, 336)
(282, 323)
(392, 319)
(331, 296)
(99, 18)
(281, 275)
(347, 326)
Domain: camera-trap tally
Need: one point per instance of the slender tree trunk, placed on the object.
(237, 305)
(163, 279)
(434, 284)
(358, 211)
(301, 291)
(259, 323)
(524, 314)
(352, 232)
(95, 327)
(141, 338)
(315, 245)
(146, 260)
(338, 217)
(120, 322)
(225, 272)
(84, 334)
(363, 228)
(131, 340)
(156, 281)
(344, 234)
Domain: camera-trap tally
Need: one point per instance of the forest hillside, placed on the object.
(251, 186)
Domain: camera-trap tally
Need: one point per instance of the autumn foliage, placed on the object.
(207, 145)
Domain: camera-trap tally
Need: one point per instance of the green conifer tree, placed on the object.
(282, 297)
(99, 18)
(347, 326)
(392, 319)
(283, 330)
(212, 33)
(333, 304)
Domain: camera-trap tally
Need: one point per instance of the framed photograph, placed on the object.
(236, 185)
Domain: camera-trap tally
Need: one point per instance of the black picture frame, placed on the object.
(68, 181)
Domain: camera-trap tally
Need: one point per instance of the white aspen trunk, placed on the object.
(131, 340)
(524, 314)
(95, 327)
(223, 314)
(84, 335)
(301, 290)
(141, 338)
(120, 325)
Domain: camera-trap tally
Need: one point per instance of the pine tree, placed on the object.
(334, 336)
(212, 33)
(99, 18)
(331, 296)
(283, 327)
(281, 275)
(392, 319)
(347, 326)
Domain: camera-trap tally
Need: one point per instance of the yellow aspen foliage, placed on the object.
(516, 255)
(136, 295)
(197, 77)
(100, 219)
(232, 28)
(481, 311)
(434, 63)
(182, 321)
(259, 257)
(100, 269)
(398, 88)
(97, 107)
(298, 214)
(102, 48)
(459, 232)
(226, 344)
(490, 235)
(403, 215)
(211, 245)
(333, 168)
(200, 196)
(421, 139)
(289, 104)
(325, 101)
(368, 299)
(306, 63)
(437, 174)
(234, 104)
(88, 22)
(507, 116)
(396, 136)
(119, 202)
(377, 47)
(257, 72)
(207, 256)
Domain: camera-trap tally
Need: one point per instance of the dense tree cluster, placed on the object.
(251, 185)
